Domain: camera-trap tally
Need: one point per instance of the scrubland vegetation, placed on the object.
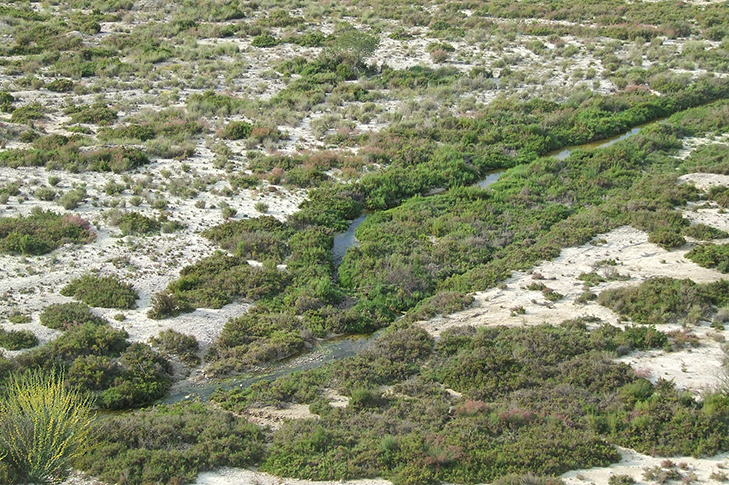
(131, 121)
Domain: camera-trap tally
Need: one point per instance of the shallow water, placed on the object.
(563, 153)
(331, 350)
(322, 353)
(345, 240)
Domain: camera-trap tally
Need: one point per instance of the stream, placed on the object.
(341, 347)
(322, 353)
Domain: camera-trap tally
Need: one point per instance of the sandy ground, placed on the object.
(704, 470)
(634, 464)
(233, 476)
(151, 262)
(629, 248)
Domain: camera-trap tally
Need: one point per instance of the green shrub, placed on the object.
(667, 239)
(17, 339)
(45, 193)
(702, 232)
(6, 102)
(60, 85)
(720, 195)
(92, 114)
(28, 113)
(145, 377)
(184, 346)
(104, 292)
(17, 317)
(166, 304)
(131, 223)
(711, 256)
(171, 444)
(42, 232)
(662, 300)
(264, 40)
(72, 199)
(45, 426)
(66, 315)
(236, 130)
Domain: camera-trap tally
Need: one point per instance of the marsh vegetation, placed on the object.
(181, 171)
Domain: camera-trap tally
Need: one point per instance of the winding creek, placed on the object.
(341, 347)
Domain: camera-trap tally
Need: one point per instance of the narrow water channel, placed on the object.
(324, 352)
(331, 350)
(345, 240)
(563, 153)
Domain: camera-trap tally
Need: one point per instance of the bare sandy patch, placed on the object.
(628, 248)
(705, 181)
(634, 464)
(269, 416)
(235, 476)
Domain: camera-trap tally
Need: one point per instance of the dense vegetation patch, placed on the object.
(17, 339)
(711, 256)
(98, 359)
(63, 316)
(541, 399)
(42, 232)
(171, 444)
(667, 300)
(101, 291)
(702, 232)
(464, 240)
(61, 152)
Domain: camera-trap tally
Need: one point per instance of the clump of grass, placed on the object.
(44, 426)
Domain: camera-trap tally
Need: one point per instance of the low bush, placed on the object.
(104, 292)
(185, 347)
(42, 232)
(17, 339)
(60, 85)
(264, 40)
(6, 102)
(28, 113)
(666, 300)
(72, 199)
(667, 239)
(711, 256)
(720, 195)
(236, 130)
(133, 223)
(170, 444)
(92, 114)
(144, 378)
(63, 316)
(702, 232)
